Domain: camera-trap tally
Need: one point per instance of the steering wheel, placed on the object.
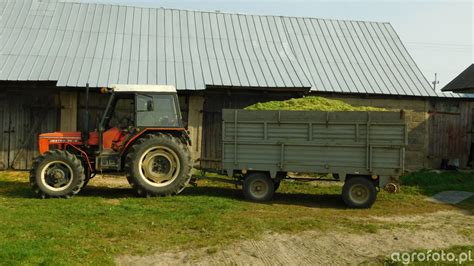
(125, 122)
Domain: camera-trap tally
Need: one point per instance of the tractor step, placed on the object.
(108, 160)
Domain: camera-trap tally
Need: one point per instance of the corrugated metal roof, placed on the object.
(464, 82)
(99, 44)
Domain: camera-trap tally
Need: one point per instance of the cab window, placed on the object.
(157, 111)
(123, 113)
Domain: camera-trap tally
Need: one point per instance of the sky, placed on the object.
(438, 34)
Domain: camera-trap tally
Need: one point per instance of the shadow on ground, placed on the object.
(425, 183)
(301, 199)
(18, 189)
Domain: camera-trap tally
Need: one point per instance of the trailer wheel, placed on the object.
(258, 187)
(159, 165)
(359, 192)
(57, 174)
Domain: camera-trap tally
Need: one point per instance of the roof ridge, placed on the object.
(218, 11)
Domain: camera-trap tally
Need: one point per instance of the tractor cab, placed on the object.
(133, 109)
(141, 133)
(147, 109)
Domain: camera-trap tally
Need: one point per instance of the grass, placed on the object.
(431, 183)
(101, 223)
(311, 103)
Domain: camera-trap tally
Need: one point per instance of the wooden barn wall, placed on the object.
(214, 102)
(3, 134)
(26, 110)
(97, 104)
(451, 127)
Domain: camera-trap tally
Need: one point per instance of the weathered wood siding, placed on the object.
(3, 134)
(24, 114)
(451, 132)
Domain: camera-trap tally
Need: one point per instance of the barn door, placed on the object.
(27, 115)
(8, 129)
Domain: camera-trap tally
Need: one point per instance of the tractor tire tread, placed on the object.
(132, 156)
(76, 164)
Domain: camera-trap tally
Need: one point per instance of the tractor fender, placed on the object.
(142, 133)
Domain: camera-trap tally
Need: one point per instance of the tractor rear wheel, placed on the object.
(57, 174)
(159, 165)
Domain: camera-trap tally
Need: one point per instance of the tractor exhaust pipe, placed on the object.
(85, 130)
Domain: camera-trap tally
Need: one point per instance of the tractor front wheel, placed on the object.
(159, 165)
(57, 174)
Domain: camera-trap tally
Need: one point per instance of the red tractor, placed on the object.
(147, 141)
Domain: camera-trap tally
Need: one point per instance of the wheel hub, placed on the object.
(57, 175)
(159, 166)
(259, 188)
(359, 193)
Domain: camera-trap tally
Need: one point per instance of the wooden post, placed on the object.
(195, 120)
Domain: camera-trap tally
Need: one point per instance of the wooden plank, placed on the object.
(195, 120)
(68, 111)
(449, 131)
(3, 122)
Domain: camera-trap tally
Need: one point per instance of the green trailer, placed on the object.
(365, 150)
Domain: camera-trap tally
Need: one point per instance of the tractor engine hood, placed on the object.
(61, 138)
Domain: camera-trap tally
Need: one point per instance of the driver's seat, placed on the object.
(113, 139)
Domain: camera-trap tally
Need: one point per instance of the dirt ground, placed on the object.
(432, 231)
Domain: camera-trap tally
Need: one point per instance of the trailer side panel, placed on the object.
(363, 143)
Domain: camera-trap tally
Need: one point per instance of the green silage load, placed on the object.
(311, 103)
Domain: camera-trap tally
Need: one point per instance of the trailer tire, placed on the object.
(159, 165)
(57, 174)
(258, 187)
(359, 192)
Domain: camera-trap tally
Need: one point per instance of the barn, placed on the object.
(50, 50)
